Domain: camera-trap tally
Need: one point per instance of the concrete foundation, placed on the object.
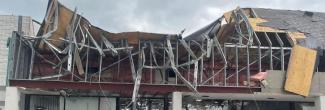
(14, 98)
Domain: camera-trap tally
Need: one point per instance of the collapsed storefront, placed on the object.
(245, 52)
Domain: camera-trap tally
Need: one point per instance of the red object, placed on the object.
(259, 76)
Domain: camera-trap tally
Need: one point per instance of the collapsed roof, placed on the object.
(229, 52)
(59, 21)
(304, 26)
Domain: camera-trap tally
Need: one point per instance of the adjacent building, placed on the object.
(8, 24)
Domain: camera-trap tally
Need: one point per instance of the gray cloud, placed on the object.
(162, 16)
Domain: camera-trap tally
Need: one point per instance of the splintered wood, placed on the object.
(300, 70)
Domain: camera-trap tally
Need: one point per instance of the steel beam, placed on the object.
(282, 51)
(109, 45)
(270, 48)
(172, 63)
(126, 87)
(188, 48)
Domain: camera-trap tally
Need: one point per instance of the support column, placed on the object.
(177, 100)
(14, 99)
(320, 103)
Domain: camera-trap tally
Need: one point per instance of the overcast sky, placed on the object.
(160, 16)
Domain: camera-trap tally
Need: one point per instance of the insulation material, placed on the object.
(255, 25)
(296, 36)
(300, 70)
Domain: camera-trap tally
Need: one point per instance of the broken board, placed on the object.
(300, 70)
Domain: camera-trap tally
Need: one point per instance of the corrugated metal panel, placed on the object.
(20, 60)
(8, 24)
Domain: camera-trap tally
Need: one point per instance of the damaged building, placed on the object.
(248, 59)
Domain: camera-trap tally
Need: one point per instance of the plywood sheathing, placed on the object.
(64, 18)
(256, 27)
(294, 36)
(226, 31)
(300, 70)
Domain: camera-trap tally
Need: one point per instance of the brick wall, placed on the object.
(9, 23)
